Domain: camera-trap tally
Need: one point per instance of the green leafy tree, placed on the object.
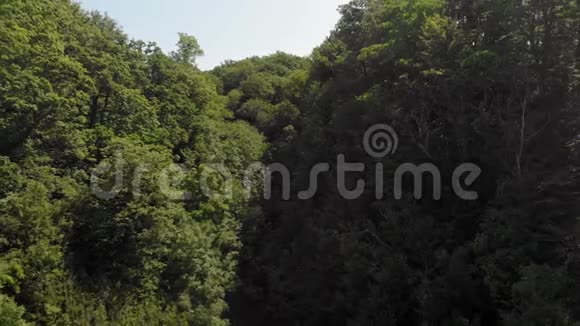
(188, 49)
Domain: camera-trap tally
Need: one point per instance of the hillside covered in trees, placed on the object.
(99, 132)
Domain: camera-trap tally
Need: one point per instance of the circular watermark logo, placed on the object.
(381, 140)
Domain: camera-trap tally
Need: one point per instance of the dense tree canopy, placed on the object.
(488, 82)
(76, 93)
(122, 171)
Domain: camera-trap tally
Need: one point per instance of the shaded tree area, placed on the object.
(489, 82)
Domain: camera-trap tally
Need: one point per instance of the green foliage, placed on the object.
(77, 94)
(489, 82)
(492, 82)
(266, 92)
(188, 49)
(10, 312)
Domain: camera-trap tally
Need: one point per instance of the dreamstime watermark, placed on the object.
(108, 180)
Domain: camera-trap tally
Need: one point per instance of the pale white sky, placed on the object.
(226, 29)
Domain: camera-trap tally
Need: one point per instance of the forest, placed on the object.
(493, 83)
